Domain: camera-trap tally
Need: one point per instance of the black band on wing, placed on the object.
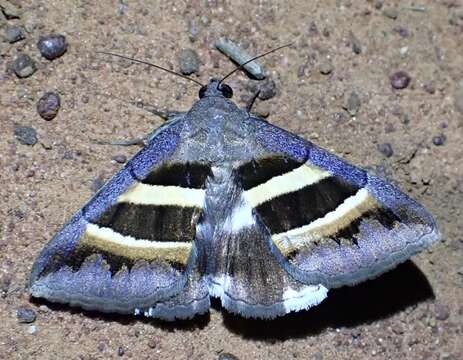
(115, 262)
(301, 207)
(150, 222)
(188, 175)
(259, 171)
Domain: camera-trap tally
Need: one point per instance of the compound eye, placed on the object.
(202, 91)
(226, 91)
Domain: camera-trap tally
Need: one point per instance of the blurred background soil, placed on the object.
(337, 85)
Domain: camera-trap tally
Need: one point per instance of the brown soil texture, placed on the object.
(339, 47)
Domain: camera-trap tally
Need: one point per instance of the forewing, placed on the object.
(132, 245)
(331, 223)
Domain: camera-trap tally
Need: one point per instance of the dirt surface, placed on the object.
(340, 47)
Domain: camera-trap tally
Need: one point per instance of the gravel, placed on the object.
(188, 61)
(267, 90)
(14, 33)
(48, 106)
(227, 356)
(353, 103)
(439, 140)
(326, 68)
(386, 149)
(121, 159)
(52, 46)
(400, 80)
(24, 66)
(26, 135)
(26, 315)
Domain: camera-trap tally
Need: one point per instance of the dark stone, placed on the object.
(188, 61)
(121, 159)
(14, 33)
(120, 351)
(386, 149)
(400, 80)
(97, 184)
(267, 90)
(52, 46)
(24, 66)
(48, 105)
(227, 356)
(26, 135)
(25, 315)
(439, 140)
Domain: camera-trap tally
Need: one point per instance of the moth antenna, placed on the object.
(250, 60)
(153, 65)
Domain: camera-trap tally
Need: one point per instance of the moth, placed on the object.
(221, 203)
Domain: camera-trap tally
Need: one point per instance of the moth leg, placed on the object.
(251, 102)
(165, 115)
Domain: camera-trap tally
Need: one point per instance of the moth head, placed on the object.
(216, 88)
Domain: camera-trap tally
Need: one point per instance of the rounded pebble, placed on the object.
(52, 46)
(442, 311)
(267, 90)
(400, 80)
(439, 140)
(120, 351)
(386, 149)
(121, 159)
(227, 356)
(14, 33)
(326, 68)
(32, 329)
(26, 135)
(48, 105)
(24, 66)
(25, 315)
(391, 13)
(188, 61)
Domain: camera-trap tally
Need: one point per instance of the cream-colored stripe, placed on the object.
(352, 208)
(108, 240)
(292, 181)
(145, 194)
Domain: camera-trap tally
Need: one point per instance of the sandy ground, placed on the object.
(413, 312)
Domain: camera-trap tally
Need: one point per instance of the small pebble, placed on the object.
(52, 46)
(152, 343)
(326, 68)
(120, 351)
(356, 45)
(26, 135)
(24, 66)
(188, 61)
(121, 159)
(32, 329)
(439, 140)
(262, 110)
(391, 13)
(386, 149)
(400, 80)
(267, 90)
(14, 33)
(97, 184)
(227, 356)
(48, 105)
(353, 103)
(429, 88)
(402, 31)
(25, 315)
(442, 311)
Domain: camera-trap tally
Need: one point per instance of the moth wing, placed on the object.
(331, 223)
(132, 245)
